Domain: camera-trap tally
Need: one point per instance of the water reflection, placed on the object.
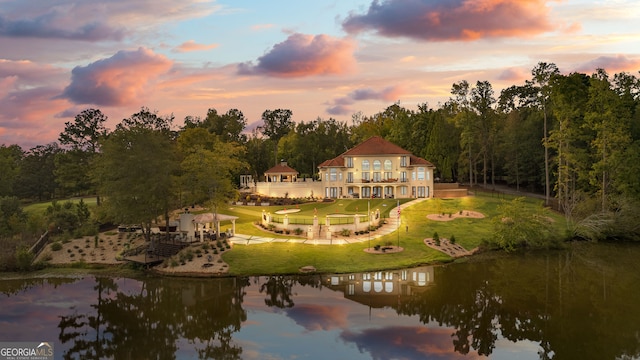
(580, 303)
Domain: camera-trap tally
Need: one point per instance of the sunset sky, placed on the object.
(317, 58)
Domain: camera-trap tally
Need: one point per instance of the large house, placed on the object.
(377, 168)
(374, 168)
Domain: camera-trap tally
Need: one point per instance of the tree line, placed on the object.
(573, 137)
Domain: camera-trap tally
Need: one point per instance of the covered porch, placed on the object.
(207, 225)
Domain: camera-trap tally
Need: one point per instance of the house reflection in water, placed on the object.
(381, 288)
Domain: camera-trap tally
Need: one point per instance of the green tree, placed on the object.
(229, 126)
(482, 102)
(36, 179)
(257, 154)
(519, 143)
(207, 166)
(571, 138)
(515, 227)
(465, 120)
(134, 173)
(12, 217)
(543, 73)
(10, 159)
(442, 142)
(611, 124)
(80, 142)
(277, 124)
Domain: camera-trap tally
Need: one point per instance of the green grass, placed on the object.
(41, 207)
(287, 258)
(250, 214)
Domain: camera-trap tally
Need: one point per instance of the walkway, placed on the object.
(388, 228)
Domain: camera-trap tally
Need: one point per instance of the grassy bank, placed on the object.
(287, 258)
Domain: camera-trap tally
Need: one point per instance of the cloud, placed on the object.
(340, 106)
(304, 55)
(447, 20)
(514, 75)
(317, 317)
(191, 45)
(611, 63)
(51, 26)
(28, 73)
(26, 115)
(118, 80)
(405, 342)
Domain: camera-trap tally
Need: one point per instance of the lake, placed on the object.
(579, 303)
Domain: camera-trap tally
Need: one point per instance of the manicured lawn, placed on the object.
(287, 258)
(250, 214)
(42, 206)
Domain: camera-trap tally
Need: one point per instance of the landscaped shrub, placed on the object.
(24, 257)
(297, 231)
(436, 238)
(452, 239)
(345, 232)
(56, 246)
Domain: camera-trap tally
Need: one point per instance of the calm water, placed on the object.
(583, 303)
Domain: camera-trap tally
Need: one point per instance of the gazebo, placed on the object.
(281, 173)
(198, 223)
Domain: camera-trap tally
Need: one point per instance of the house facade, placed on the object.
(374, 168)
(377, 168)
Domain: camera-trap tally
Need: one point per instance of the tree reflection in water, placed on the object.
(578, 303)
(575, 304)
(149, 323)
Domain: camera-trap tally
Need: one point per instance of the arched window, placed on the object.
(365, 165)
(387, 165)
(376, 165)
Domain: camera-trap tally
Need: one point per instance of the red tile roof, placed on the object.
(375, 145)
(281, 169)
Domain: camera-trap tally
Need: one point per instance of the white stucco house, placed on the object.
(377, 168)
(373, 168)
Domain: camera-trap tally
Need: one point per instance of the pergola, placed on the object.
(211, 218)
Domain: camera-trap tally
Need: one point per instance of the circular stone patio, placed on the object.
(457, 215)
(287, 211)
(388, 249)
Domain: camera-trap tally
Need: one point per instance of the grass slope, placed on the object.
(287, 258)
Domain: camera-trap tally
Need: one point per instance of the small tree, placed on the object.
(452, 239)
(436, 238)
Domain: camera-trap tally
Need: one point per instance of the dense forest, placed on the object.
(573, 137)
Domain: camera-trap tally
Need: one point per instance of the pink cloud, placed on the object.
(26, 116)
(406, 342)
(340, 106)
(317, 317)
(191, 45)
(514, 75)
(459, 20)
(304, 55)
(119, 80)
(612, 64)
